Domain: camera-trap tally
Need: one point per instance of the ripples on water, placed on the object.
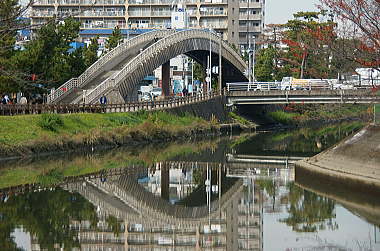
(235, 193)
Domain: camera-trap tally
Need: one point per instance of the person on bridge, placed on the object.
(103, 102)
(23, 101)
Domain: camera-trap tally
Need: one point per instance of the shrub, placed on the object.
(50, 121)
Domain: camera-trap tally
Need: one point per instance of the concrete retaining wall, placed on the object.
(354, 161)
(213, 108)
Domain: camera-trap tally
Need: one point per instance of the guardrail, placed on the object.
(271, 86)
(87, 75)
(153, 50)
(11, 110)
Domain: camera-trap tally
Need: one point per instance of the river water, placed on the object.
(229, 193)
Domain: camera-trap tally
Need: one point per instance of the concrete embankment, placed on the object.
(354, 162)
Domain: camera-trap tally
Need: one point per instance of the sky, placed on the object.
(280, 11)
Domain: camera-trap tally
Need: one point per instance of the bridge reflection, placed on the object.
(150, 219)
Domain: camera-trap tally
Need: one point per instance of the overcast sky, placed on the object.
(280, 11)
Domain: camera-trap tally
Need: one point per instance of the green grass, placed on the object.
(15, 130)
(55, 169)
(284, 117)
(304, 113)
(239, 118)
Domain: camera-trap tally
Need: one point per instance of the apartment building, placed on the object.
(251, 21)
(229, 17)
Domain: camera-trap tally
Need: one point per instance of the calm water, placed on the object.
(231, 193)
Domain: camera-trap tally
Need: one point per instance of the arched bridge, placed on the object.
(118, 72)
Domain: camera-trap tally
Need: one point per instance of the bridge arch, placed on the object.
(194, 43)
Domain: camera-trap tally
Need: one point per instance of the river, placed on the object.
(238, 192)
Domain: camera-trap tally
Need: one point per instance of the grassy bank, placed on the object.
(53, 169)
(43, 133)
(303, 114)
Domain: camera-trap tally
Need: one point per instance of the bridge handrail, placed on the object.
(270, 86)
(67, 87)
(152, 50)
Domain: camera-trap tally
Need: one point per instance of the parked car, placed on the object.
(146, 96)
(156, 91)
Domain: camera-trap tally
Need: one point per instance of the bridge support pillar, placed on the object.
(165, 181)
(114, 97)
(165, 74)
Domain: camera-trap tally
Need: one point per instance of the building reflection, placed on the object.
(172, 206)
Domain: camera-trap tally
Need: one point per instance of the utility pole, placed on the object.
(220, 64)
(249, 60)
(210, 65)
(253, 59)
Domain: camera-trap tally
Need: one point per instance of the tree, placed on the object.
(46, 215)
(114, 39)
(360, 25)
(199, 72)
(8, 17)
(309, 212)
(264, 65)
(91, 52)
(49, 56)
(308, 57)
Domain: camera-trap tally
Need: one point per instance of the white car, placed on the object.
(156, 91)
(146, 96)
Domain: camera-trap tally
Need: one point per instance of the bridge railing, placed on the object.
(152, 51)
(88, 74)
(253, 86)
(10, 110)
(271, 86)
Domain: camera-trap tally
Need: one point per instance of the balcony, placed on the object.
(251, 5)
(43, 2)
(91, 2)
(103, 25)
(255, 17)
(213, 2)
(44, 14)
(252, 29)
(158, 2)
(213, 12)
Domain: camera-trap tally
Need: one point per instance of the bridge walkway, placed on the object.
(77, 95)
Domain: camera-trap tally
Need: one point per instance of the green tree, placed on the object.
(49, 56)
(46, 215)
(264, 65)
(114, 39)
(307, 56)
(199, 72)
(91, 52)
(309, 212)
(9, 10)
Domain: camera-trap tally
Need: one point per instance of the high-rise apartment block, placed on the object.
(251, 21)
(233, 18)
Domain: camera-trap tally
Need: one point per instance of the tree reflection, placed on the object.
(309, 212)
(46, 215)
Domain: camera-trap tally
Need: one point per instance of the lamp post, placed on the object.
(210, 66)
(220, 63)
(253, 59)
(249, 61)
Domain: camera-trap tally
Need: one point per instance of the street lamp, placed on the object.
(210, 66)
(220, 63)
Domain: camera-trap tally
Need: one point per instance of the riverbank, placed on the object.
(39, 134)
(303, 115)
(355, 161)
